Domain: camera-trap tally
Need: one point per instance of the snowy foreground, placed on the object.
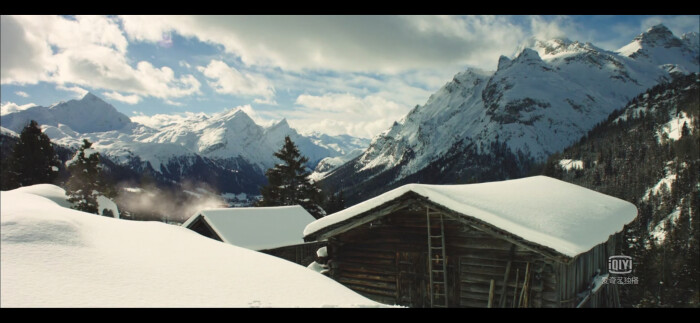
(53, 256)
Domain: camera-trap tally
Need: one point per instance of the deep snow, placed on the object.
(58, 257)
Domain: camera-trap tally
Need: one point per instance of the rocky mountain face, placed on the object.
(495, 125)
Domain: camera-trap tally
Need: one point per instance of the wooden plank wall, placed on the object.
(483, 258)
(302, 254)
(577, 275)
(367, 259)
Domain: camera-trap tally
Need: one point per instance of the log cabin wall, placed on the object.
(302, 254)
(577, 275)
(386, 260)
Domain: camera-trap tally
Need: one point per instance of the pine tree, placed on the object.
(335, 203)
(33, 160)
(85, 183)
(288, 182)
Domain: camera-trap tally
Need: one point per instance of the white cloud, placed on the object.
(10, 107)
(128, 99)
(548, 28)
(266, 101)
(173, 103)
(79, 91)
(344, 113)
(160, 120)
(228, 80)
(25, 55)
(85, 51)
(388, 44)
(22, 94)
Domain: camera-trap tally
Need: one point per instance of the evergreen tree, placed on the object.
(33, 160)
(85, 183)
(288, 182)
(335, 203)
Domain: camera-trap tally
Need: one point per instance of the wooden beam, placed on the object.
(515, 292)
(493, 285)
(525, 285)
(502, 301)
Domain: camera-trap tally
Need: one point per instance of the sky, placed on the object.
(332, 74)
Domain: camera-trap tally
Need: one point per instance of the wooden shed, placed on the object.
(532, 242)
(272, 230)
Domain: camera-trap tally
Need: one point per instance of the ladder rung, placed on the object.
(435, 247)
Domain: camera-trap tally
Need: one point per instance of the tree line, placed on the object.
(33, 160)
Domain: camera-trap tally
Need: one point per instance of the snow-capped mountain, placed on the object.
(228, 150)
(536, 103)
(234, 134)
(89, 114)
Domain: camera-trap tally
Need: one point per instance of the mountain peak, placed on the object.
(659, 29)
(282, 124)
(503, 62)
(90, 96)
(658, 35)
(528, 54)
(236, 113)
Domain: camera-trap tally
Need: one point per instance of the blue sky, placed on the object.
(334, 74)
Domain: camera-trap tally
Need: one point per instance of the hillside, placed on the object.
(494, 125)
(648, 153)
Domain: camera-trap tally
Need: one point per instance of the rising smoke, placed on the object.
(150, 203)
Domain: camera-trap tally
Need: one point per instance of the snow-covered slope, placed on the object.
(58, 257)
(234, 133)
(328, 164)
(658, 46)
(538, 102)
(229, 141)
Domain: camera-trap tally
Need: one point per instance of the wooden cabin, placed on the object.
(532, 242)
(272, 230)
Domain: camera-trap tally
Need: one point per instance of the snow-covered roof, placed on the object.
(565, 217)
(54, 256)
(257, 228)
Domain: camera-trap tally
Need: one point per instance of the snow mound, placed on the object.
(105, 204)
(58, 257)
(49, 191)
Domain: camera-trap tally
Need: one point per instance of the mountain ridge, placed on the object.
(536, 103)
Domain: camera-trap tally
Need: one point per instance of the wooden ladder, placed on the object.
(437, 265)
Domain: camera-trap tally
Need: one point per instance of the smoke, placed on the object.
(177, 204)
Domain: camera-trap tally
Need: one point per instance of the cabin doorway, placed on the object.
(412, 279)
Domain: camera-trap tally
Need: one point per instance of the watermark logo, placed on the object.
(620, 264)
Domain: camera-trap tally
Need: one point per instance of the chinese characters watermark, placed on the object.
(621, 280)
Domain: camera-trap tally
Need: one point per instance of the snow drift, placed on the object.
(58, 257)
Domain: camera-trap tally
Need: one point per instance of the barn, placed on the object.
(272, 230)
(531, 242)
